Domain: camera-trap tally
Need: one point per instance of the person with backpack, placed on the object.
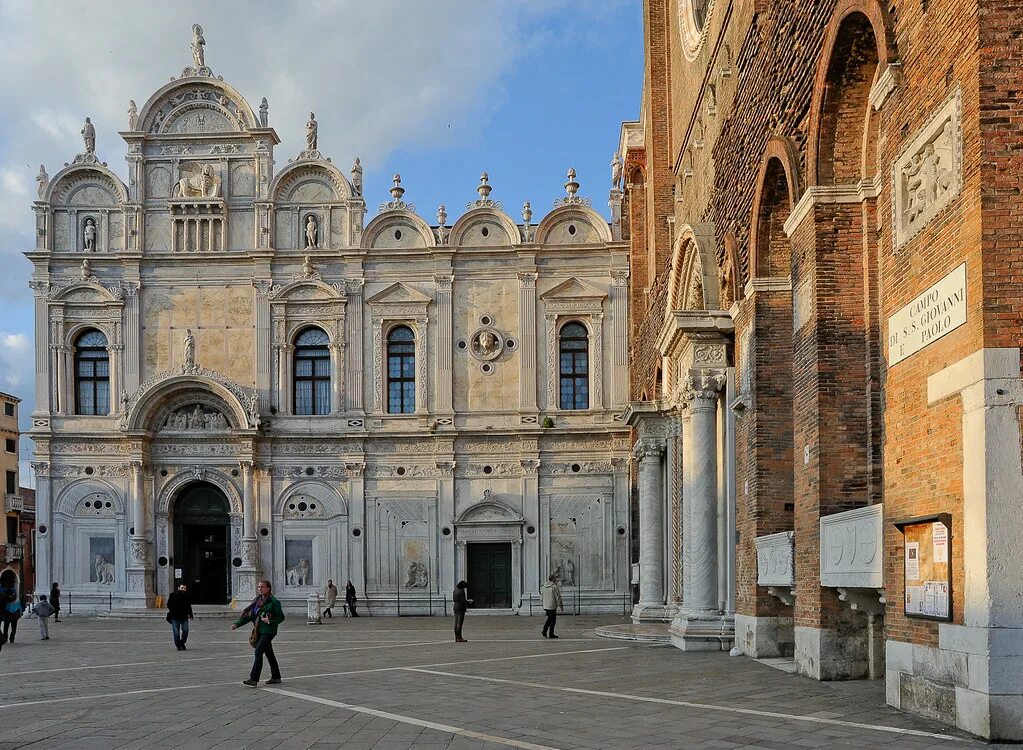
(43, 611)
(350, 599)
(265, 614)
(12, 613)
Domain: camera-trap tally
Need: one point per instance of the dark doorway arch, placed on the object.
(202, 533)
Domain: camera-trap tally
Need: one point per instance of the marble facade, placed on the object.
(201, 271)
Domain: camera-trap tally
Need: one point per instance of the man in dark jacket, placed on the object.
(266, 612)
(179, 612)
(350, 599)
(460, 603)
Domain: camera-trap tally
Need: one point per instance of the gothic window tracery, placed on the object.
(401, 371)
(312, 373)
(574, 367)
(92, 373)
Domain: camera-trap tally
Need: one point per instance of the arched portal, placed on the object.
(202, 525)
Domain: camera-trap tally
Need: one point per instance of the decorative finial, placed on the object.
(571, 187)
(397, 190)
(442, 215)
(484, 187)
(527, 213)
(133, 115)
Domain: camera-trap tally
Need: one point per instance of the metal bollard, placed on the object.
(313, 613)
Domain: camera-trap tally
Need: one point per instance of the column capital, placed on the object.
(527, 279)
(648, 448)
(702, 387)
(530, 466)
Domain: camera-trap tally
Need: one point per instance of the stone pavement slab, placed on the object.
(388, 683)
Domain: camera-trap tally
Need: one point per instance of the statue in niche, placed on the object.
(198, 42)
(133, 115)
(311, 232)
(417, 576)
(616, 171)
(104, 570)
(205, 184)
(89, 235)
(264, 113)
(357, 176)
(189, 348)
(311, 129)
(89, 136)
(42, 181)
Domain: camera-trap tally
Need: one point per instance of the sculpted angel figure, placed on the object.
(311, 129)
(198, 42)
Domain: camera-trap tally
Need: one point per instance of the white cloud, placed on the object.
(16, 364)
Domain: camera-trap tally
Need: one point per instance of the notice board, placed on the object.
(927, 566)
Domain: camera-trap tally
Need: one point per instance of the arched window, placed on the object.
(92, 374)
(574, 348)
(312, 372)
(401, 371)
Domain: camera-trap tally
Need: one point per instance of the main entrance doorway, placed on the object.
(488, 574)
(201, 552)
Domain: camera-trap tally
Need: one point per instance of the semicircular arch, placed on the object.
(170, 491)
(565, 217)
(473, 229)
(380, 232)
(332, 499)
(67, 500)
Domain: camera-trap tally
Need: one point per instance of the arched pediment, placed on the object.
(310, 181)
(320, 501)
(398, 229)
(484, 227)
(72, 499)
(85, 292)
(489, 512)
(172, 489)
(194, 105)
(573, 225)
(86, 184)
(168, 390)
(307, 290)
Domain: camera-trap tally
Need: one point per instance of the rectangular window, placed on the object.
(12, 482)
(10, 445)
(8, 409)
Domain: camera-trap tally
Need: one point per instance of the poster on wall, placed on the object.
(101, 560)
(928, 569)
(298, 562)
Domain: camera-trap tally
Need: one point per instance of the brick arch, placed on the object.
(779, 187)
(858, 46)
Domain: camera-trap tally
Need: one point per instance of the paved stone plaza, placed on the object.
(389, 683)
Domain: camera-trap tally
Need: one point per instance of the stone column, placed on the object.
(446, 513)
(336, 378)
(263, 348)
(139, 592)
(43, 371)
(247, 572)
(132, 350)
(701, 625)
(648, 453)
(619, 338)
(422, 360)
(445, 327)
(44, 529)
(531, 512)
(357, 478)
(527, 342)
(354, 361)
(114, 354)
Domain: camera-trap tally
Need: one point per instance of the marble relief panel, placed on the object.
(475, 389)
(158, 232)
(240, 230)
(579, 539)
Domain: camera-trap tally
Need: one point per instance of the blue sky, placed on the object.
(438, 91)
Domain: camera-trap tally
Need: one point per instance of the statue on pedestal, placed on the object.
(133, 115)
(311, 129)
(43, 181)
(264, 113)
(198, 42)
(189, 348)
(357, 176)
(89, 235)
(89, 135)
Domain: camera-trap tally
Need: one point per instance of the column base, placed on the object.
(825, 654)
(246, 577)
(139, 594)
(650, 612)
(764, 637)
(702, 631)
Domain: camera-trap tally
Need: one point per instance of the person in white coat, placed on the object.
(551, 601)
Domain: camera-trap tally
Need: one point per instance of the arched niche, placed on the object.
(779, 185)
(693, 282)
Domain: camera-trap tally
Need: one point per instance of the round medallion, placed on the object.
(486, 344)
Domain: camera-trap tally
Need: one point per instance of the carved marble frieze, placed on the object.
(195, 418)
(775, 560)
(851, 548)
(929, 173)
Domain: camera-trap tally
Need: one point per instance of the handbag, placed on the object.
(254, 635)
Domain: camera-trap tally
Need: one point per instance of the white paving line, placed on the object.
(415, 722)
(690, 704)
(44, 701)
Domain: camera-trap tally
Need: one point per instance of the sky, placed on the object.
(437, 90)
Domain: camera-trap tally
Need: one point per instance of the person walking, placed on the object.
(12, 613)
(55, 601)
(43, 611)
(179, 612)
(265, 613)
(329, 597)
(460, 603)
(551, 601)
(350, 598)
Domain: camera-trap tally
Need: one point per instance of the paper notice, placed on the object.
(940, 599)
(939, 533)
(929, 594)
(914, 600)
(912, 561)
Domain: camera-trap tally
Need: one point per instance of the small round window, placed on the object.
(485, 231)
(400, 471)
(397, 234)
(571, 229)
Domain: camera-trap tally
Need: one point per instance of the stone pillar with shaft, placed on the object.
(701, 624)
(139, 582)
(649, 454)
(248, 572)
